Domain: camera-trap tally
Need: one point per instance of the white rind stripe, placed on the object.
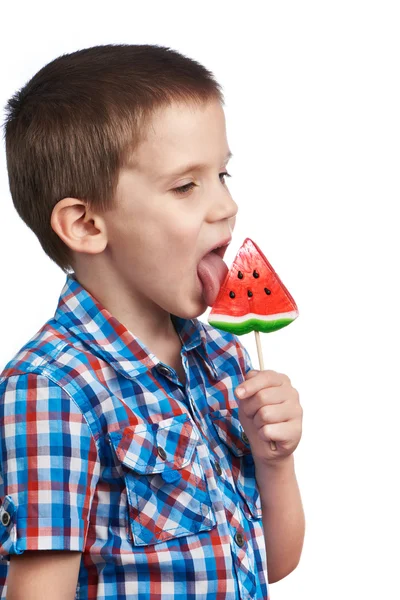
(228, 319)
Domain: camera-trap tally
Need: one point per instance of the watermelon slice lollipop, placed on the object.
(252, 298)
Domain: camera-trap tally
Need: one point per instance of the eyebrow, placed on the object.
(189, 167)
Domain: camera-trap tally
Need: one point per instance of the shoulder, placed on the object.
(40, 418)
(33, 385)
(52, 351)
(35, 397)
(42, 348)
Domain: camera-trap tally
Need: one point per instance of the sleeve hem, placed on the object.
(46, 534)
(51, 533)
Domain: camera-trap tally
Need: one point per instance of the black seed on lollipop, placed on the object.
(232, 294)
(240, 275)
(249, 293)
(256, 275)
(267, 291)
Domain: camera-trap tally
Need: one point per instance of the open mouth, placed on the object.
(220, 251)
(212, 271)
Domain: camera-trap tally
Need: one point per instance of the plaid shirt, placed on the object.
(104, 450)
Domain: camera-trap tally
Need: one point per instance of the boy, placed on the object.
(128, 467)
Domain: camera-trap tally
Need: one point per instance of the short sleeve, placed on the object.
(49, 467)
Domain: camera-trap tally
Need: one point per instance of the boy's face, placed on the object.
(157, 236)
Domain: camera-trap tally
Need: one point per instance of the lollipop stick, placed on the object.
(259, 350)
(261, 361)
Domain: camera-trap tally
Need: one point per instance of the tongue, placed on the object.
(212, 271)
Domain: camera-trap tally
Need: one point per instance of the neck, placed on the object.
(147, 321)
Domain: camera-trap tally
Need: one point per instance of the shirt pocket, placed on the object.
(233, 437)
(166, 485)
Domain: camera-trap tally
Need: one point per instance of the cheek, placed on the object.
(183, 251)
(180, 234)
(185, 229)
(158, 241)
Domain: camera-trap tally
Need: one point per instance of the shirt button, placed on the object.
(245, 438)
(164, 370)
(217, 467)
(239, 539)
(161, 452)
(5, 518)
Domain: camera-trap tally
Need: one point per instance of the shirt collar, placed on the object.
(85, 317)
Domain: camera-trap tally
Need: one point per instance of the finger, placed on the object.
(278, 432)
(251, 373)
(270, 414)
(264, 397)
(262, 379)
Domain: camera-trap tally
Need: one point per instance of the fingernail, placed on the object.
(240, 392)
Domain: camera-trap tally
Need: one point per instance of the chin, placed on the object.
(196, 309)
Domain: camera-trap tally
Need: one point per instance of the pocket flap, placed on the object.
(230, 430)
(155, 447)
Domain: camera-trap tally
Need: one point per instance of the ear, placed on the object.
(79, 228)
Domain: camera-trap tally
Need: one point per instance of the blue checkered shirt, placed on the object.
(104, 451)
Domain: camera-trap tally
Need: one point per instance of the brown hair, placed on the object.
(77, 122)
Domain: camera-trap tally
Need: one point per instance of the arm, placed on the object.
(43, 575)
(283, 516)
(270, 410)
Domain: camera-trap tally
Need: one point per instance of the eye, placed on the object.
(225, 174)
(183, 189)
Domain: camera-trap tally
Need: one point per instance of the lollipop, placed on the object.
(252, 298)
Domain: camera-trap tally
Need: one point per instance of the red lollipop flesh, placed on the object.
(252, 297)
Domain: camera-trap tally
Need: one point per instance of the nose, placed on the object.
(222, 206)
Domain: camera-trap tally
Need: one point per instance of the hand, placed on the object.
(270, 410)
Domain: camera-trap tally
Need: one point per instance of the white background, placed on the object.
(313, 115)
